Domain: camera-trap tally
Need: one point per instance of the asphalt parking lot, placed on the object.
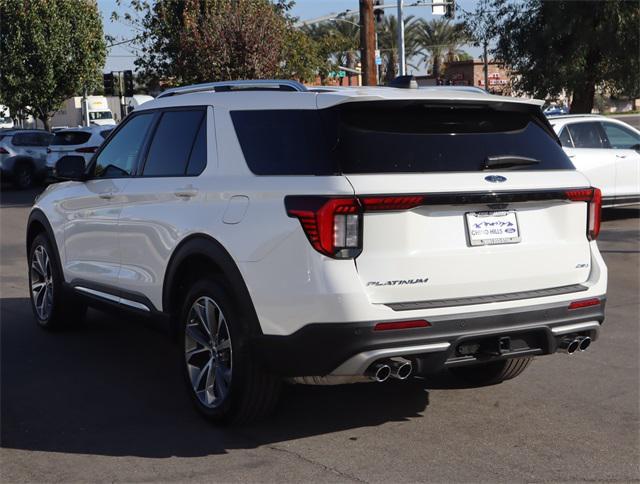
(105, 403)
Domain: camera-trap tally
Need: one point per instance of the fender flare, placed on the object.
(204, 245)
(38, 216)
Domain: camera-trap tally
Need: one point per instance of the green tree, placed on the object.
(388, 43)
(575, 46)
(49, 51)
(440, 41)
(337, 44)
(192, 41)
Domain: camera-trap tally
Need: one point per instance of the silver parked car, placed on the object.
(83, 142)
(23, 155)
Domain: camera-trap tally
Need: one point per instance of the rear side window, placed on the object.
(586, 135)
(172, 143)
(392, 137)
(105, 134)
(63, 138)
(565, 139)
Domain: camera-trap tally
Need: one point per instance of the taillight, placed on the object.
(88, 149)
(585, 303)
(419, 323)
(3, 151)
(594, 197)
(332, 225)
(400, 202)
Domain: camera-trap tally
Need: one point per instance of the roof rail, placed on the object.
(222, 86)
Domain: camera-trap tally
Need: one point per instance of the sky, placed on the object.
(122, 57)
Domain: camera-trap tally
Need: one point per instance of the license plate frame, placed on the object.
(492, 227)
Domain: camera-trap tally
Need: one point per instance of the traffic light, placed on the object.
(107, 80)
(450, 10)
(128, 83)
(378, 13)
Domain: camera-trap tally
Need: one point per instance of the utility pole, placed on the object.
(367, 43)
(486, 65)
(401, 53)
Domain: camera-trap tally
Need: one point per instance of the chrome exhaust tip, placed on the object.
(585, 342)
(400, 368)
(379, 372)
(570, 345)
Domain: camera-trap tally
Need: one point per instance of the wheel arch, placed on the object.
(38, 223)
(199, 255)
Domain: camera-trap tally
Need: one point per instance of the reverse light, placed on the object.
(594, 197)
(88, 149)
(418, 323)
(332, 225)
(585, 303)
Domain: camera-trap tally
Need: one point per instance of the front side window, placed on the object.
(620, 137)
(119, 157)
(173, 143)
(586, 135)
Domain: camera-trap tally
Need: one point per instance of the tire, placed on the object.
(23, 176)
(52, 308)
(225, 382)
(493, 372)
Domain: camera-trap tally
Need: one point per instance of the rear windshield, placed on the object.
(392, 137)
(62, 138)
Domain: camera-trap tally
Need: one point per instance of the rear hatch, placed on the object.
(462, 201)
(69, 142)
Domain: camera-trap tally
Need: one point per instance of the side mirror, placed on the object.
(70, 168)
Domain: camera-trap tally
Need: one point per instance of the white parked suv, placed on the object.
(82, 142)
(327, 236)
(607, 151)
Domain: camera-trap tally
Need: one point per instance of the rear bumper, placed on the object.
(320, 349)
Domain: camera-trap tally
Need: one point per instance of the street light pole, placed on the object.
(401, 53)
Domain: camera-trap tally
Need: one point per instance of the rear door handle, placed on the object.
(621, 156)
(106, 195)
(186, 192)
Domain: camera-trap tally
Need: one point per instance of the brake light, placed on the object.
(585, 303)
(332, 225)
(88, 149)
(391, 203)
(419, 323)
(594, 197)
(3, 151)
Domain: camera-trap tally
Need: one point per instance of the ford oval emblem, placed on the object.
(495, 179)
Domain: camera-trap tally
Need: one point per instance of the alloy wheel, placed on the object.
(208, 352)
(41, 282)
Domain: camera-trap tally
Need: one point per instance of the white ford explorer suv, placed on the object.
(327, 236)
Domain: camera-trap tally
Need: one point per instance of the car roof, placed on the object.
(86, 129)
(576, 116)
(317, 97)
(11, 131)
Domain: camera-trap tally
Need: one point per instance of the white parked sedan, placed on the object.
(607, 151)
(76, 142)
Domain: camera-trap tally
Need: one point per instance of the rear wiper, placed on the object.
(508, 161)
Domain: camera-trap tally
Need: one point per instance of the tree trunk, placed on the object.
(582, 99)
(390, 75)
(436, 66)
(351, 64)
(46, 121)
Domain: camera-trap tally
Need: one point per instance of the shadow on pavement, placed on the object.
(11, 197)
(621, 213)
(112, 387)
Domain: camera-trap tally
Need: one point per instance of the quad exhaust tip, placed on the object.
(379, 372)
(572, 344)
(400, 368)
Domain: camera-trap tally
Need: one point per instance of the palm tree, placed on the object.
(439, 41)
(388, 43)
